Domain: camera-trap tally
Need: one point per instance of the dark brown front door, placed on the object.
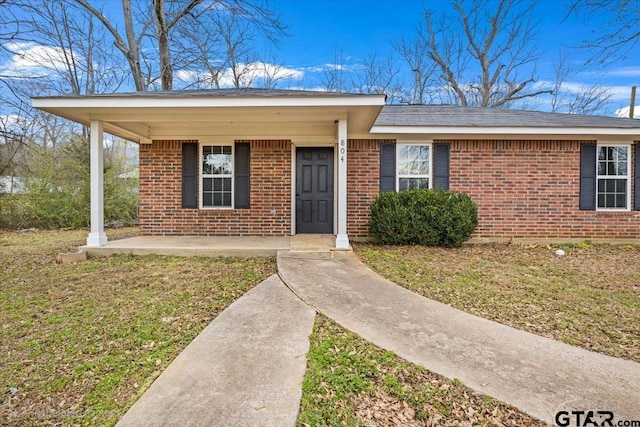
(314, 190)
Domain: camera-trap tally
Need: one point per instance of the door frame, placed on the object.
(294, 167)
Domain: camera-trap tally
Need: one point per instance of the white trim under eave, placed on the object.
(195, 101)
(435, 131)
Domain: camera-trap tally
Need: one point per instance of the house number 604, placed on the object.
(342, 150)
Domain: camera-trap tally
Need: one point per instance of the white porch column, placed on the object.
(97, 236)
(342, 240)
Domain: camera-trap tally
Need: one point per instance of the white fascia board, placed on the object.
(510, 131)
(195, 101)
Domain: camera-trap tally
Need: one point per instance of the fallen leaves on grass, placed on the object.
(80, 342)
(351, 382)
(590, 297)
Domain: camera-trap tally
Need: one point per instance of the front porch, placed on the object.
(216, 246)
(224, 162)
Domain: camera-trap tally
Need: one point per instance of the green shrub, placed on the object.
(57, 192)
(423, 217)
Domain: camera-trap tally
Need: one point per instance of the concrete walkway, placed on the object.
(538, 375)
(245, 368)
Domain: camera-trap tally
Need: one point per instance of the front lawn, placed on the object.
(588, 298)
(79, 343)
(351, 382)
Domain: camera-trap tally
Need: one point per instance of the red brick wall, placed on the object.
(523, 189)
(363, 184)
(530, 189)
(161, 199)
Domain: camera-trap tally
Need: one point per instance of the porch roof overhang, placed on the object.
(212, 115)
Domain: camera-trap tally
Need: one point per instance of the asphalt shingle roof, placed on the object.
(457, 116)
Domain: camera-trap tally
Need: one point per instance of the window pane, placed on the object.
(217, 191)
(207, 184)
(610, 200)
(610, 186)
(602, 153)
(413, 183)
(226, 184)
(612, 161)
(217, 164)
(612, 193)
(620, 153)
(413, 159)
(622, 168)
(216, 159)
(207, 199)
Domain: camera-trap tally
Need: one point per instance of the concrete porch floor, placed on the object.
(214, 246)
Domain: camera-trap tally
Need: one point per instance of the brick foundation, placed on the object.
(161, 211)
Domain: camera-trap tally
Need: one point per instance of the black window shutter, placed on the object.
(387, 167)
(190, 175)
(588, 176)
(636, 174)
(241, 198)
(441, 166)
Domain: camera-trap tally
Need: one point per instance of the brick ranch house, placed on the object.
(264, 162)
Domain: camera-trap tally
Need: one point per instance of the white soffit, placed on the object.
(137, 117)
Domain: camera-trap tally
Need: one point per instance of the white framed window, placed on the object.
(216, 172)
(613, 169)
(413, 166)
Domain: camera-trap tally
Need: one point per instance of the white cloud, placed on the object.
(624, 112)
(618, 92)
(625, 72)
(30, 59)
(188, 75)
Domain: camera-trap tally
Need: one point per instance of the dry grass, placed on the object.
(80, 342)
(588, 298)
(351, 382)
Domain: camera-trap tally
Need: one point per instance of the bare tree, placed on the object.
(13, 141)
(614, 41)
(272, 72)
(423, 69)
(575, 99)
(334, 75)
(167, 18)
(479, 52)
(129, 43)
(380, 76)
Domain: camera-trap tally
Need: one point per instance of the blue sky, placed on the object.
(359, 28)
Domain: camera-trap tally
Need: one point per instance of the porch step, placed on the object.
(313, 243)
(218, 246)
